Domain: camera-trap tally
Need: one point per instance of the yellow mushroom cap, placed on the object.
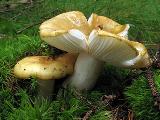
(107, 24)
(100, 37)
(43, 68)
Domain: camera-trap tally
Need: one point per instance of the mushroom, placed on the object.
(97, 40)
(46, 70)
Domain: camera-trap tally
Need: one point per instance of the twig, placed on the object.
(108, 98)
(34, 24)
(152, 46)
(105, 100)
(154, 91)
(27, 7)
(149, 76)
(87, 115)
(10, 6)
(27, 27)
(23, 11)
(130, 115)
(157, 58)
(83, 98)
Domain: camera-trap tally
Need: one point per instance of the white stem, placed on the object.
(86, 72)
(46, 88)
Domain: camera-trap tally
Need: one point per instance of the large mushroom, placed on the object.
(46, 70)
(97, 40)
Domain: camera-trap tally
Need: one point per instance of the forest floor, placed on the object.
(119, 94)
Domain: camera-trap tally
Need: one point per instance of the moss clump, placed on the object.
(66, 106)
(141, 100)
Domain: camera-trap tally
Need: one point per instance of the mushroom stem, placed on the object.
(46, 88)
(86, 72)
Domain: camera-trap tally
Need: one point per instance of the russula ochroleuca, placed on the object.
(46, 70)
(97, 40)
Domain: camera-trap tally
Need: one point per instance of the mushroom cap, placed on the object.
(43, 68)
(100, 37)
(68, 60)
(118, 50)
(108, 25)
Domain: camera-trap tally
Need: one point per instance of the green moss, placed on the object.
(11, 51)
(14, 49)
(40, 109)
(157, 79)
(141, 100)
(103, 115)
(66, 107)
(143, 16)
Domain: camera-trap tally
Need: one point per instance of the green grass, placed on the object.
(18, 98)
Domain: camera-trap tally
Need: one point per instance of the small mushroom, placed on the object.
(46, 70)
(97, 40)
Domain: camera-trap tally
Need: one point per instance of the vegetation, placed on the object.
(19, 37)
(140, 98)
